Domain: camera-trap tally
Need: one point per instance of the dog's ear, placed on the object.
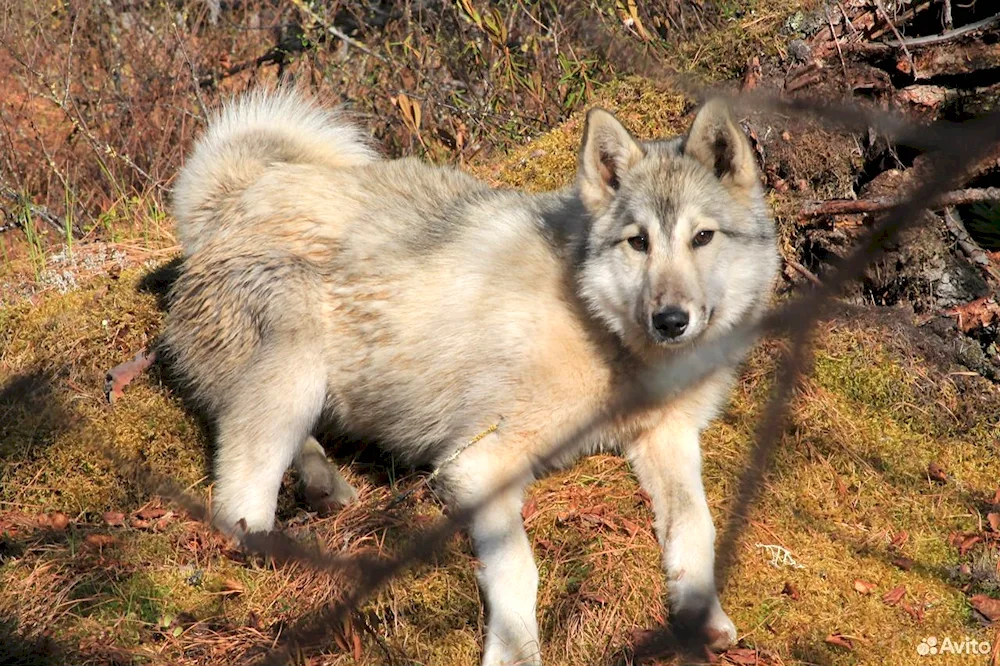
(607, 153)
(717, 142)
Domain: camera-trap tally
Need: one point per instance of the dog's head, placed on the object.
(681, 245)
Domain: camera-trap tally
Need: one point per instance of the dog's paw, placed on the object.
(516, 648)
(326, 498)
(512, 659)
(719, 632)
(701, 620)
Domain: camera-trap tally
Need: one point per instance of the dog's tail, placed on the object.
(248, 135)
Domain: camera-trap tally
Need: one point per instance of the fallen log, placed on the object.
(878, 204)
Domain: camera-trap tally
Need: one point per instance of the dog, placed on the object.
(465, 327)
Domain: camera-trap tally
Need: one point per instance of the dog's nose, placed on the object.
(671, 322)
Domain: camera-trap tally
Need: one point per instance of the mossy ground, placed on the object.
(850, 479)
(849, 496)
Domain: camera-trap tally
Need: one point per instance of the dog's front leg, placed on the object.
(507, 576)
(667, 462)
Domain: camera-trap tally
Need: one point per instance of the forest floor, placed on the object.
(884, 495)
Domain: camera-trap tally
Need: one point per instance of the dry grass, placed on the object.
(104, 98)
(851, 477)
(851, 481)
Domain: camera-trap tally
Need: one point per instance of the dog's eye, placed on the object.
(639, 243)
(703, 237)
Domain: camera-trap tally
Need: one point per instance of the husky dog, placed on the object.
(416, 306)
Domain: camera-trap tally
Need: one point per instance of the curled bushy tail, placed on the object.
(249, 134)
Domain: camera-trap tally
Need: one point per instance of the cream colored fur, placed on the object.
(416, 306)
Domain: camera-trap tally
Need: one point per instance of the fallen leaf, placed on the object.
(936, 473)
(356, 639)
(840, 640)
(993, 519)
(916, 612)
(751, 77)
(979, 313)
(122, 374)
(564, 517)
(903, 563)
(864, 587)
(630, 527)
(988, 606)
(114, 518)
(151, 513)
(597, 519)
(59, 521)
(529, 510)
(899, 538)
(410, 111)
(647, 642)
(968, 542)
(99, 540)
(790, 591)
(894, 596)
(231, 586)
(742, 656)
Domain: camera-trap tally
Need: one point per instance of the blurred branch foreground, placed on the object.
(105, 97)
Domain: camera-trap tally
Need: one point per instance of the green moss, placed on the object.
(549, 162)
(63, 445)
(865, 374)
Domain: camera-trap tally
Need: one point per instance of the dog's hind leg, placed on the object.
(323, 486)
(668, 464)
(271, 411)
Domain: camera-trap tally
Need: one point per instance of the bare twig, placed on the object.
(965, 241)
(20, 201)
(927, 40)
(901, 17)
(945, 36)
(337, 32)
(899, 37)
(968, 244)
(804, 272)
(836, 41)
(847, 20)
(878, 204)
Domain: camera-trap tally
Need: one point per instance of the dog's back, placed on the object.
(292, 228)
